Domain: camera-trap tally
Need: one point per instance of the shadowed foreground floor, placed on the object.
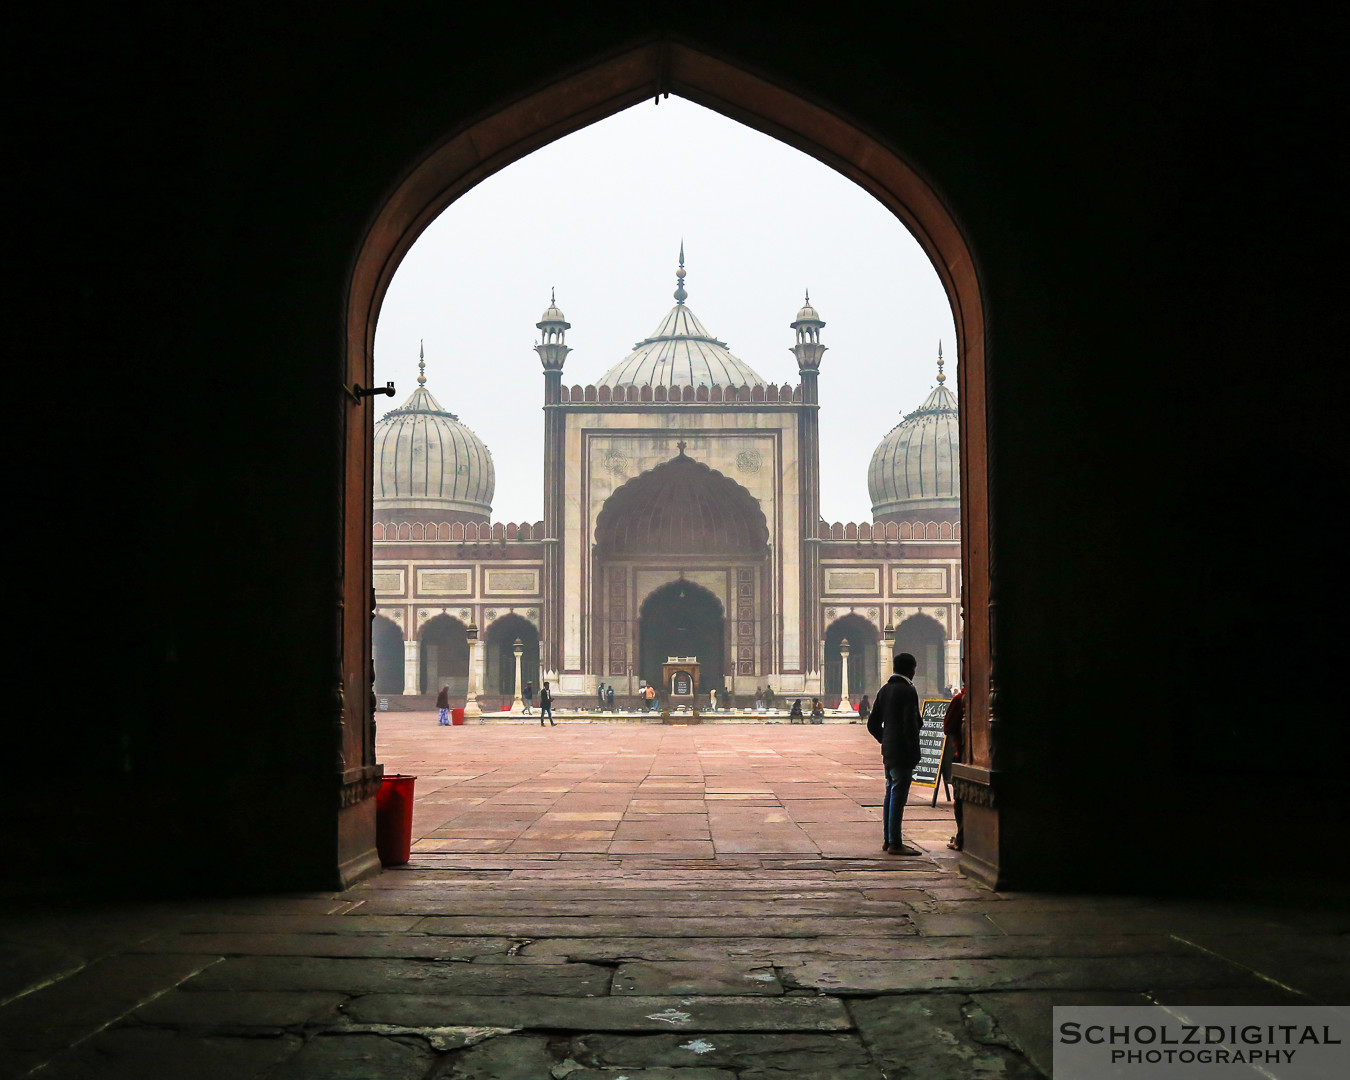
(581, 940)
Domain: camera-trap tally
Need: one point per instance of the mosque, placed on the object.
(681, 544)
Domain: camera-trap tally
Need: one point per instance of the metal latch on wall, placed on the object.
(356, 391)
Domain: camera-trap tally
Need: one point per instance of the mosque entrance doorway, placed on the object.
(682, 619)
(474, 150)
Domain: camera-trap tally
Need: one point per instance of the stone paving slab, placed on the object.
(400, 976)
(229, 1010)
(938, 1035)
(663, 926)
(685, 1013)
(665, 979)
(787, 1053)
(410, 946)
(152, 1054)
(870, 977)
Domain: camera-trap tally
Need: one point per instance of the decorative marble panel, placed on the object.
(852, 581)
(918, 579)
(512, 581)
(387, 581)
(445, 582)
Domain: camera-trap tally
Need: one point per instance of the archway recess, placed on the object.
(925, 640)
(444, 657)
(387, 654)
(591, 91)
(500, 662)
(681, 508)
(682, 619)
(863, 671)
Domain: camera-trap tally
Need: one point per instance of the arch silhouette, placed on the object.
(601, 87)
(681, 507)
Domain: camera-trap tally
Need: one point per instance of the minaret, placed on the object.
(808, 352)
(552, 350)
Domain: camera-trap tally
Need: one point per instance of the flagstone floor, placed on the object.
(630, 902)
(624, 789)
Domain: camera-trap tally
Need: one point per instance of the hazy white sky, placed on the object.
(600, 215)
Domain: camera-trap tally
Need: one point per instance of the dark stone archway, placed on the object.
(499, 676)
(387, 652)
(444, 657)
(682, 619)
(925, 639)
(864, 675)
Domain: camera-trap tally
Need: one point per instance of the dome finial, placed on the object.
(421, 364)
(680, 295)
(941, 377)
(808, 298)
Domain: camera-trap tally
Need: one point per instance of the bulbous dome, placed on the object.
(915, 473)
(429, 466)
(680, 352)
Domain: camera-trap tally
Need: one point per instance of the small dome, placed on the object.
(553, 314)
(807, 314)
(680, 352)
(429, 466)
(915, 473)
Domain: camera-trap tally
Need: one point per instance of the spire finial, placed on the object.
(808, 298)
(553, 296)
(680, 295)
(421, 364)
(941, 377)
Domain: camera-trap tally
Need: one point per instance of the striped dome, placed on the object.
(915, 473)
(680, 352)
(430, 466)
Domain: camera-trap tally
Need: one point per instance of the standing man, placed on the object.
(528, 695)
(895, 724)
(600, 694)
(546, 706)
(769, 697)
(609, 697)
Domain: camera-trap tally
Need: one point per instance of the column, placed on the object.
(471, 707)
(517, 704)
(412, 669)
(953, 663)
(845, 701)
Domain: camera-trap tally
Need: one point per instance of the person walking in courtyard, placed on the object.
(546, 706)
(864, 709)
(895, 724)
(528, 694)
(443, 705)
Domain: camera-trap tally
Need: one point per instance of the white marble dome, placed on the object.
(681, 352)
(429, 466)
(915, 473)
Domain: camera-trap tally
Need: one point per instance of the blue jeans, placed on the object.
(893, 809)
(546, 710)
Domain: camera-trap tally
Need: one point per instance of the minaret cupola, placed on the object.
(553, 327)
(808, 325)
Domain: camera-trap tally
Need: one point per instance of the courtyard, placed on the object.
(600, 901)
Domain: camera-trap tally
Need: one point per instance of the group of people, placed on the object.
(895, 723)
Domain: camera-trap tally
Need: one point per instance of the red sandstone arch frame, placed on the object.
(590, 93)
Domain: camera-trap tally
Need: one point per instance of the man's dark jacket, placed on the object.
(895, 723)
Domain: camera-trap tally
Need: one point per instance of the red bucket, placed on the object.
(456, 716)
(393, 819)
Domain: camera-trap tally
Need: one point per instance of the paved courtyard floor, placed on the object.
(599, 902)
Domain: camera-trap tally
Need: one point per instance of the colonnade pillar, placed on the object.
(412, 668)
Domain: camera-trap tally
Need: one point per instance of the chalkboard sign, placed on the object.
(931, 739)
